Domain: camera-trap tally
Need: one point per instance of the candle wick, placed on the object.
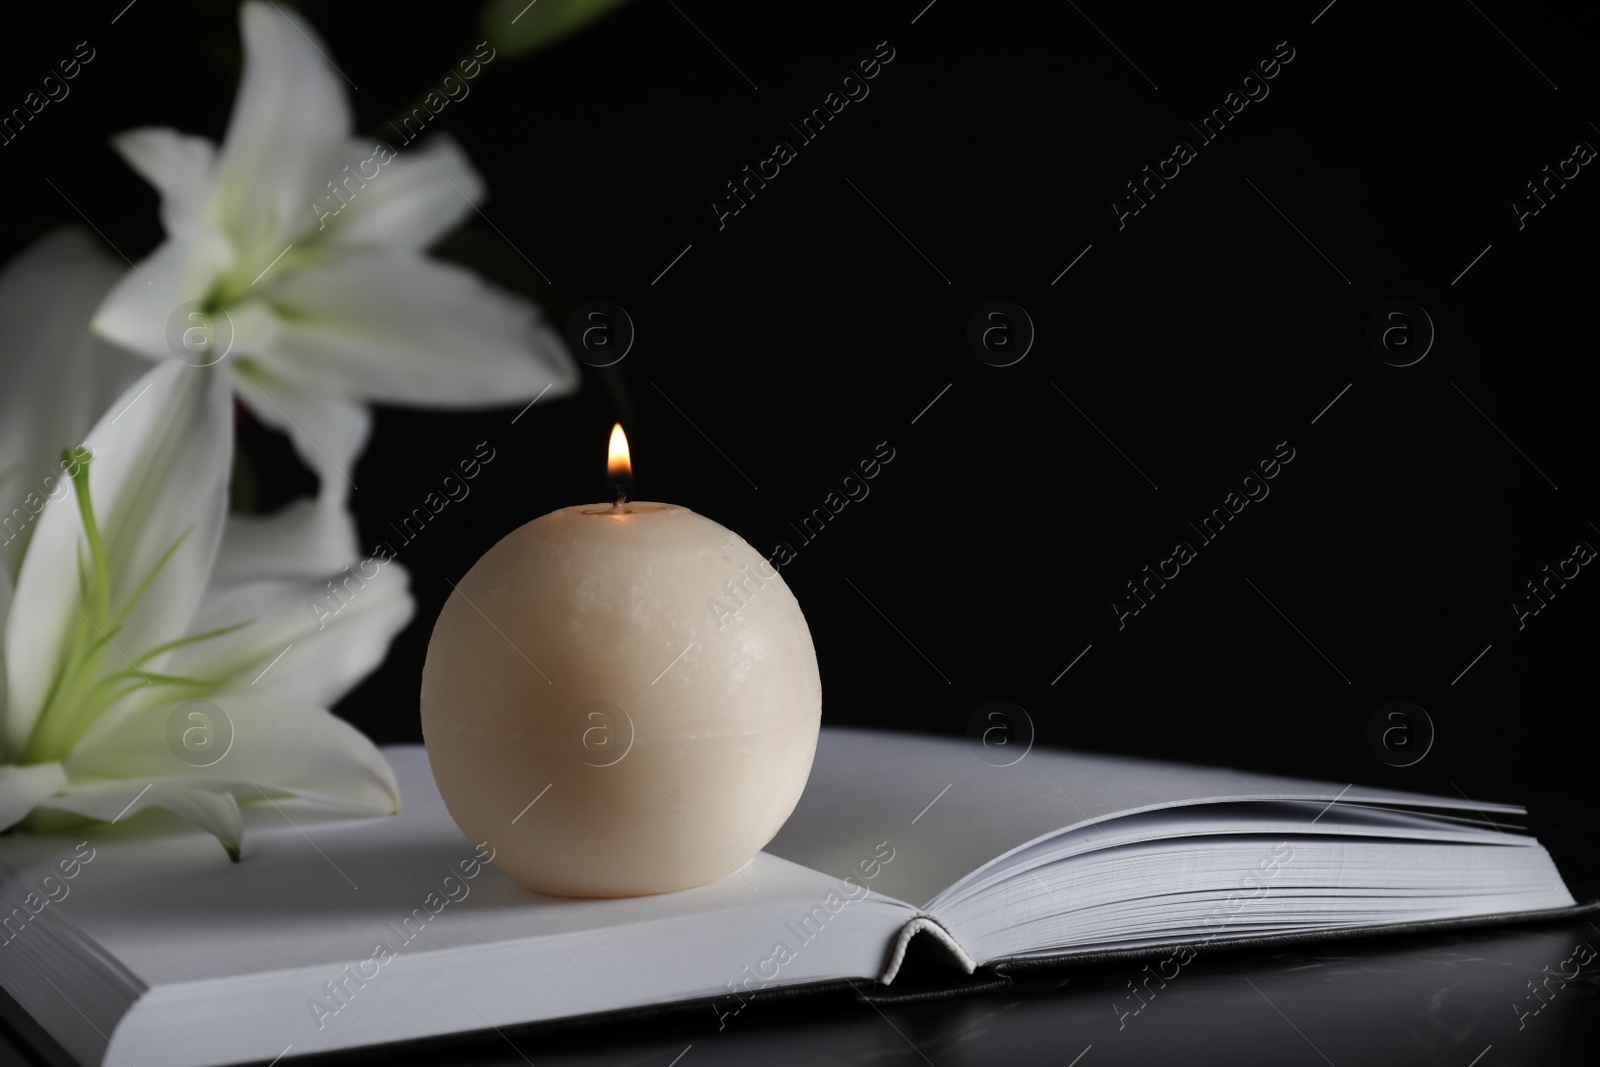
(621, 499)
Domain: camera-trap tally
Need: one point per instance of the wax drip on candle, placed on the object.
(619, 468)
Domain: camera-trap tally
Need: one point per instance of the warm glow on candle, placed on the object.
(618, 464)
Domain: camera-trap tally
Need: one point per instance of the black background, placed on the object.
(827, 315)
(808, 330)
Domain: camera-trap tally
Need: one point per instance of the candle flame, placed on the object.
(618, 462)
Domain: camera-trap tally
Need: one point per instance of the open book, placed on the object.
(336, 933)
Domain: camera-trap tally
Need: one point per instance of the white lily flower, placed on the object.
(313, 310)
(139, 600)
(56, 378)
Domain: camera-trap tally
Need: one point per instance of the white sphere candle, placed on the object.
(621, 699)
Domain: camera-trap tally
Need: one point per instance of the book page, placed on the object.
(335, 932)
(316, 888)
(943, 812)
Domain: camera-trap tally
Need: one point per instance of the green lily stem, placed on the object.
(80, 693)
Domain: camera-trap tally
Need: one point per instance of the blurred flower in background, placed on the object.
(114, 620)
(312, 311)
(293, 277)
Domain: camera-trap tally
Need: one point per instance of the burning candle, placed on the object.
(621, 698)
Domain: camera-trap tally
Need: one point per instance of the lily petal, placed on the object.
(274, 746)
(409, 202)
(55, 377)
(326, 429)
(308, 640)
(212, 810)
(21, 788)
(5, 615)
(402, 329)
(162, 453)
(149, 310)
(303, 539)
(177, 164)
(287, 133)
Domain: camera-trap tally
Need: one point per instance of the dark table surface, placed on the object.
(1457, 999)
